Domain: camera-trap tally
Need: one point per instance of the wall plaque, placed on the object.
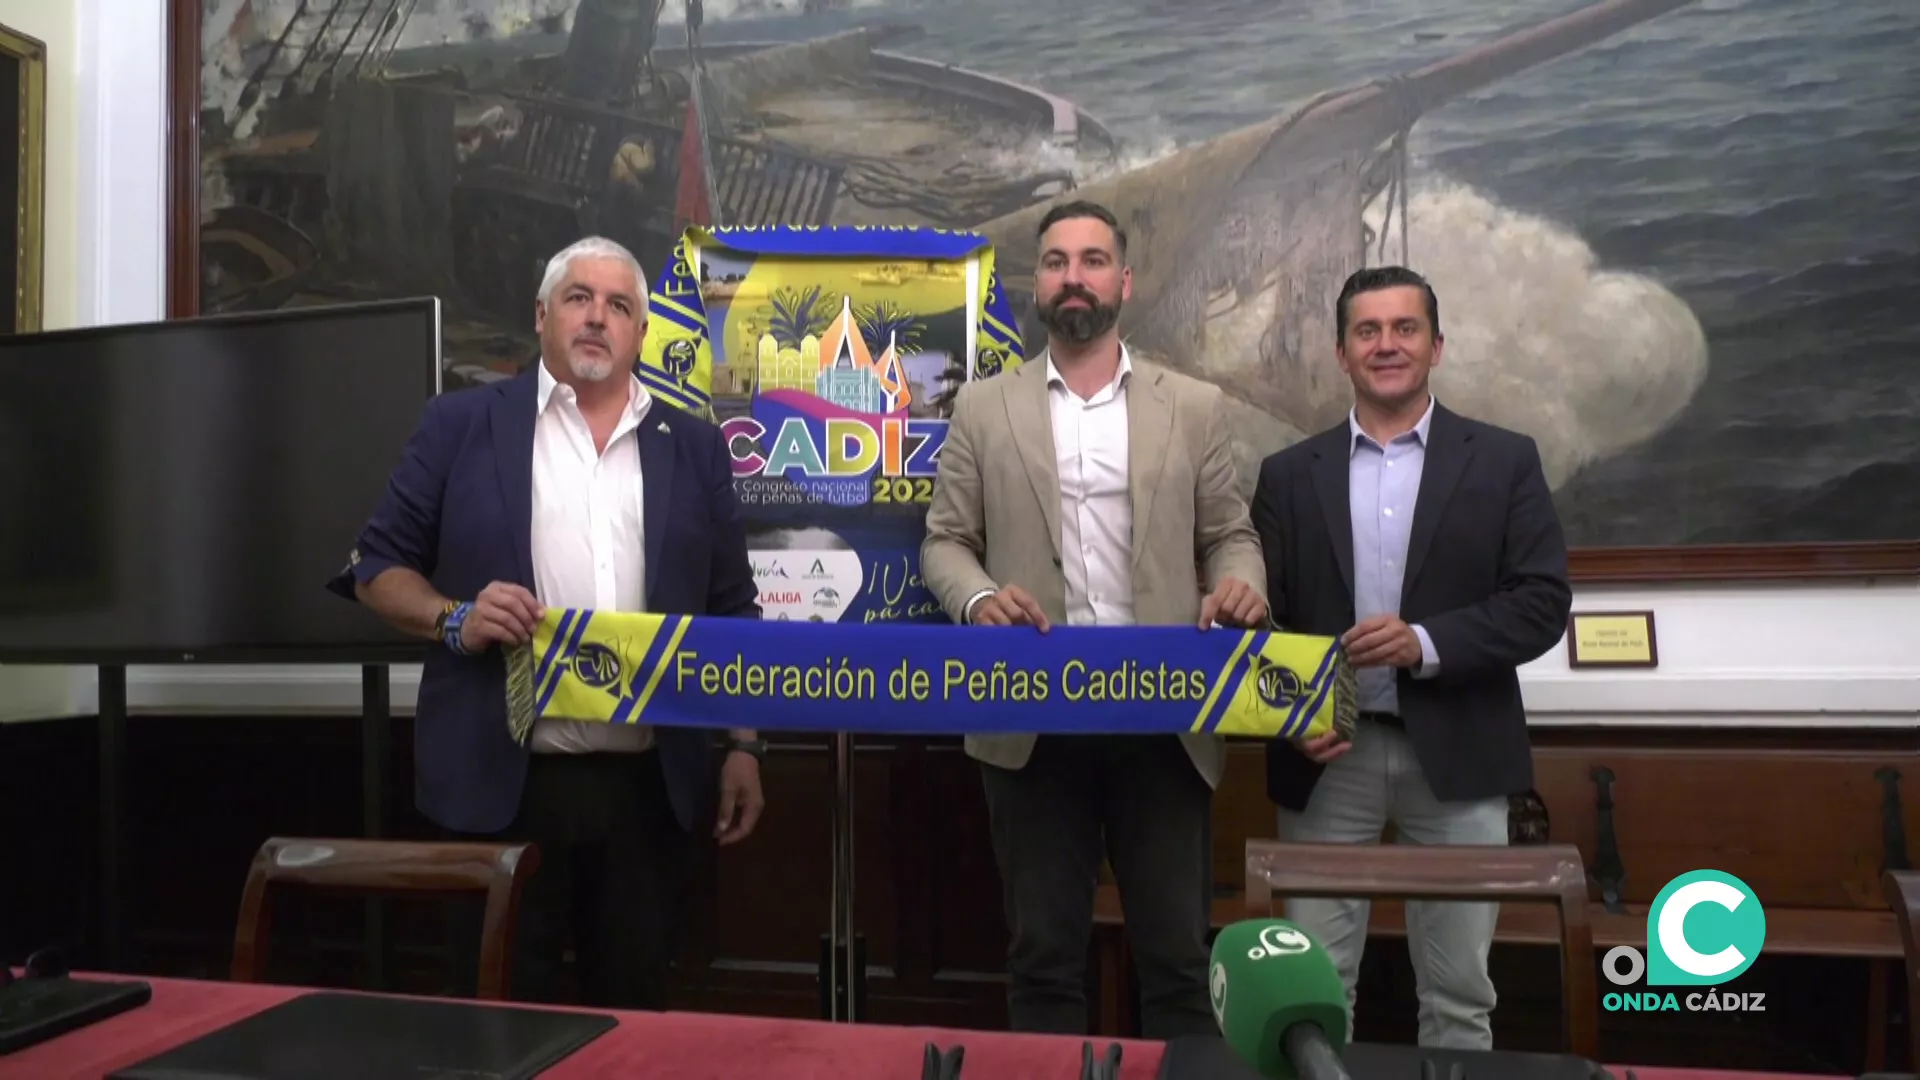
(1611, 639)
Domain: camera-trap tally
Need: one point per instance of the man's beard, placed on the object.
(1078, 325)
(590, 366)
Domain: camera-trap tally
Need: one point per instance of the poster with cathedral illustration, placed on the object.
(830, 358)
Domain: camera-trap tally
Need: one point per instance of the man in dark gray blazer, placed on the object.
(1429, 543)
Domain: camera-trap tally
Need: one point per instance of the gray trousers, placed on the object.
(1378, 781)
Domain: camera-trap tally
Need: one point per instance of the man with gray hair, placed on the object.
(566, 487)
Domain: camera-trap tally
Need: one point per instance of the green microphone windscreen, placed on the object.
(1268, 975)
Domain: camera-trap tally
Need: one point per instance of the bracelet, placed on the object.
(450, 625)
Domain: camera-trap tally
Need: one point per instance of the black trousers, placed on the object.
(613, 862)
(1139, 801)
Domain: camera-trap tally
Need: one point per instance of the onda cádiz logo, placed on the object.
(1217, 990)
(1280, 941)
(1705, 928)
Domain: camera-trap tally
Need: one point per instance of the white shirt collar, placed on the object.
(1420, 430)
(1054, 377)
(638, 400)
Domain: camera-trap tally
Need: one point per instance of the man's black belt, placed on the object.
(1389, 719)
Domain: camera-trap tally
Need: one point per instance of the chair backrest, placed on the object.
(1903, 896)
(1543, 873)
(385, 867)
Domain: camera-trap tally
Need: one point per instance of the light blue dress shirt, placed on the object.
(1383, 482)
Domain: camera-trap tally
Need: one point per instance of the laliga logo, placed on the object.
(1698, 911)
(1280, 941)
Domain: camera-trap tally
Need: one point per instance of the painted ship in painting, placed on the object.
(458, 168)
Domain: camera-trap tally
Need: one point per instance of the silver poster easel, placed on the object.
(843, 993)
(845, 962)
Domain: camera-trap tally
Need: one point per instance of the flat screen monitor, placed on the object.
(181, 491)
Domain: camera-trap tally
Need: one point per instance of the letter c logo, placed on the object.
(1673, 927)
(1724, 912)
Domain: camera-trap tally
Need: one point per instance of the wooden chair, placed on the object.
(385, 867)
(1543, 873)
(1903, 896)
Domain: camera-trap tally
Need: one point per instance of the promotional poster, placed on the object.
(830, 357)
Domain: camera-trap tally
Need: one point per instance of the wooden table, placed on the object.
(646, 1046)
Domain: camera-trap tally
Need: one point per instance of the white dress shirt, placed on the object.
(1090, 454)
(589, 539)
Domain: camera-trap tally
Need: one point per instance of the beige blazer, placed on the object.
(995, 516)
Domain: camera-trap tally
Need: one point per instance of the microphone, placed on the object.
(1279, 1001)
(1106, 1067)
(938, 1065)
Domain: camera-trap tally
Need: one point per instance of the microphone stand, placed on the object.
(1313, 1057)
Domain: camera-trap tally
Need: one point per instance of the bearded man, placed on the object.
(1085, 488)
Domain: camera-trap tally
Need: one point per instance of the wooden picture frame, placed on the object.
(23, 164)
(1800, 561)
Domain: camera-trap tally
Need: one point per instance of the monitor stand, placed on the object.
(376, 718)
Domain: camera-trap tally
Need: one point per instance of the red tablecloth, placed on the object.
(645, 1046)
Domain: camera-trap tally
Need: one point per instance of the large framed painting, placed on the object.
(23, 172)
(1673, 241)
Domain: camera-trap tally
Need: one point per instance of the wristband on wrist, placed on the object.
(440, 620)
(448, 629)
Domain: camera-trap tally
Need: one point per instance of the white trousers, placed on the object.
(1375, 782)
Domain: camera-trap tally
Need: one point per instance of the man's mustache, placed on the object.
(1071, 291)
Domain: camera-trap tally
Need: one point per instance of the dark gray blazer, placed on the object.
(1486, 576)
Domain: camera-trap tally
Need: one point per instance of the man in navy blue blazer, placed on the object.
(567, 486)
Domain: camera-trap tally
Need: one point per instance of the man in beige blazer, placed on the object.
(1092, 487)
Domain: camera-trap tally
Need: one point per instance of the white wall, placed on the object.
(1840, 655)
(1749, 656)
(106, 90)
(35, 691)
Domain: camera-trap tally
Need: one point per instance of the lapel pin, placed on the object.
(665, 429)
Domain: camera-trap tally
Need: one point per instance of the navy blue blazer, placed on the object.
(459, 511)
